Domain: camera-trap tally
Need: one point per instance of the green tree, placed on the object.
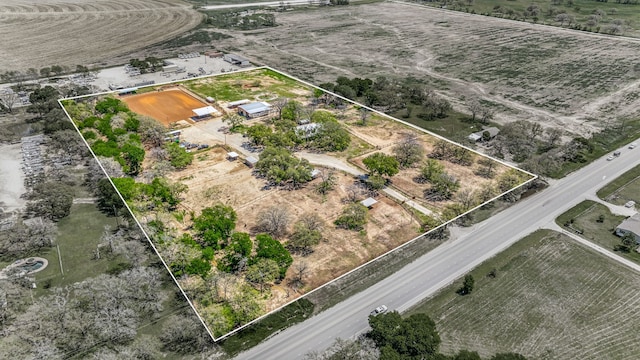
(280, 167)
(262, 272)
(431, 169)
(108, 199)
(233, 119)
(442, 187)
(415, 337)
(331, 136)
(215, 224)
(467, 285)
(178, 156)
(259, 134)
(304, 238)
(381, 164)
(198, 267)
(353, 217)
(51, 200)
(269, 248)
(236, 254)
(133, 156)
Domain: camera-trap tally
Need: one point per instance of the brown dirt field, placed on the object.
(36, 34)
(526, 71)
(166, 106)
(212, 179)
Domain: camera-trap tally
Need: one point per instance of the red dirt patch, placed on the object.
(165, 106)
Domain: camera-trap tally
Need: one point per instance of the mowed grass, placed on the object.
(247, 85)
(79, 236)
(586, 216)
(624, 188)
(551, 299)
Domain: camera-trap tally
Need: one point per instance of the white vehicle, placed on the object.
(632, 145)
(610, 157)
(379, 310)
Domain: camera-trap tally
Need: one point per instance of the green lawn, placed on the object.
(624, 188)
(262, 83)
(79, 235)
(586, 217)
(550, 299)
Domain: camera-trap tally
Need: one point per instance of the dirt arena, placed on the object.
(166, 106)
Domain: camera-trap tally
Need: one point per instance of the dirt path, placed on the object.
(11, 178)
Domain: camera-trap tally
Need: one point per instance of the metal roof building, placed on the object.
(205, 111)
(369, 202)
(254, 109)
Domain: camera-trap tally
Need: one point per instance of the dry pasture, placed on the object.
(570, 79)
(166, 106)
(40, 33)
(212, 179)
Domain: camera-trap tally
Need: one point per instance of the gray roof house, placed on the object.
(236, 60)
(477, 136)
(254, 109)
(630, 225)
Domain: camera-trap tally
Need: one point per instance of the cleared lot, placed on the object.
(525, 71)
(166, 106)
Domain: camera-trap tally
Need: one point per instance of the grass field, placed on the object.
(585, 218)
(581, 10)
(80, 234)
(550, 299)
(248, 85)
(626, 187)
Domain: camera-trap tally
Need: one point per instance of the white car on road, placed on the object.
(633, 145)
(379, 310)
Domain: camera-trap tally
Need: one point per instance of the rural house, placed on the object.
(477, 136)
(254, 110)
(307, 130)
(630, 225)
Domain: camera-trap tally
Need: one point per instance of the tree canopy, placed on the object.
(415, 337)
(215, 224)
(381, 164)
(281, 168)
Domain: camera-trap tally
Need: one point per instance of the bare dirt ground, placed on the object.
(166, 106)
(562, 78)
(41, 33)
(213, 179)
(11, 178)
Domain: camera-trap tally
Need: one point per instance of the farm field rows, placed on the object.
(526, 71)
(37, 34)
(550, 299)
(220, 286)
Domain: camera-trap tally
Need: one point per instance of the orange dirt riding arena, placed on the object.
(166, 106)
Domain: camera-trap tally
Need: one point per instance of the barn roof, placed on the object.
(255, 107)
(207, 110)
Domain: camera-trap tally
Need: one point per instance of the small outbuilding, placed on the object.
(210, 99)
(479, 135)
(232, 156)
(127, 91)
(254, 110)
(251, 161)
(204, 112)
(235, 104)
(236, 60)
(307, 130)
(630, 225)
(315, 173)
(369, 202)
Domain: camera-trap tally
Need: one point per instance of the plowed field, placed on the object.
(36, 34)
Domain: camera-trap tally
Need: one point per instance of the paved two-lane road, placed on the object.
(444, 264)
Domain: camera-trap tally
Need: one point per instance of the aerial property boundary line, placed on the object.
(533, 177)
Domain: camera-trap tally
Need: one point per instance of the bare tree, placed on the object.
(535, 129)
(562, 18)
(312, 221)
(279, 104)
(475, 107)
(554, 135)
(364, 116)
(354, 192)
(487, 115)
(328, 181)
(274, 220)
(301, 270)
(409, 151)
(8, 100)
